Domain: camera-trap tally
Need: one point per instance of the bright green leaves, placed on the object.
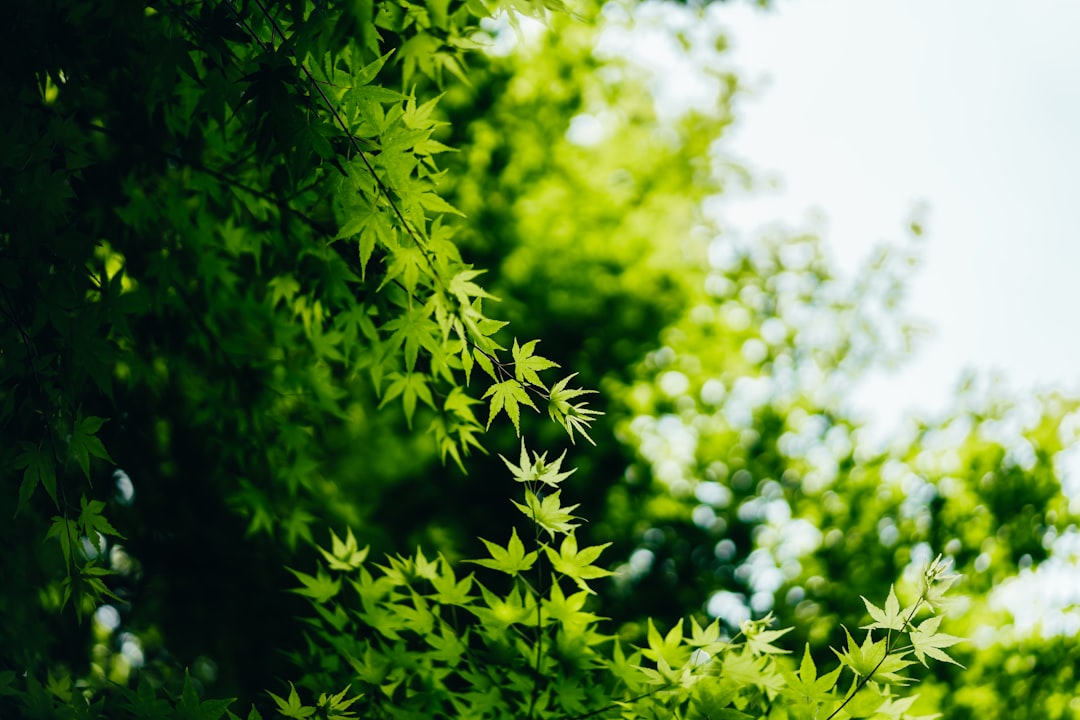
(344, 555)
(507, 396)
(759, 640)
(405, 640)
(926, 640)
(548, 513)
(539, 469)
(511, 560)
(320, 587)
(527, 364)
(292, 707)
(892, 617)
(412, 330)
(574, 417)
(872, 659)
(806, 687)
(329, 707)
(577, 565)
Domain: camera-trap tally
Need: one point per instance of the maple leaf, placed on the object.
(937, 579)
(539, 469)
(319, 588)
(760, 640)
(464, 289)
(667, 648)
(577, 564)
(871, 659)
(926, 640)
(345, 555)
(706, 639)
(506, 396)
(527, 365)
(548, 513)
(896, 707)
(411, 386)
(807, 686)
(892, 617)
(574, 417)
(84, 443)
(511, 560)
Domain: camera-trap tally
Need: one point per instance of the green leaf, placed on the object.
(282, 287)
(573, 417)
(84, 443)
(577, 564)
(527, 365)
(926, 640)
(548, 513)
(759, 640)
(462, 287)
(807, 687)
(66, 533)
(539, 469)
(506, 396)
(40, 468)
(512, 559)
(870, 660)
(411, 387)
(320, 588)
(93, 524)
(191, 708)
(292, 708)
(892, 617)
(344, 555)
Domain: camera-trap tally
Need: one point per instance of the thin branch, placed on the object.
(889, 646)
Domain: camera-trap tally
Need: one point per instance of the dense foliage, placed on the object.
(304, 304)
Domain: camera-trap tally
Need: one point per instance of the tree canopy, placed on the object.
(395, 360)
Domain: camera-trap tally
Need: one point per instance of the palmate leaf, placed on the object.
(872, 659)
(527, 365)
(548, 513)
(411, 387)
(512, 559)
(574, 417)
(292, 708)
(759, 640)
(506, 396)
(93, 523)
(40, 468)
(344, 555)
(892, 617)
(191, 707)
(539, 469)
(319, 588)
(577, 564)
(464, 289)
(926, 640)
(806, 686)
(85, 443)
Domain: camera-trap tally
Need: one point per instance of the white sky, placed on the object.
(970, 106)
(973, 107)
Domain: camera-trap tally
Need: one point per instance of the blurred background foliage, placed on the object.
(728, 471)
